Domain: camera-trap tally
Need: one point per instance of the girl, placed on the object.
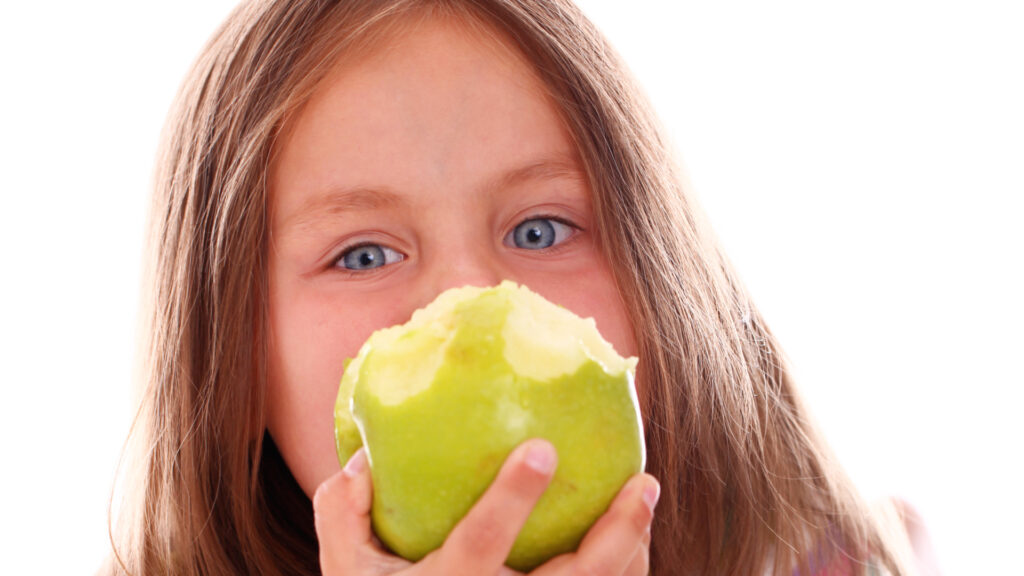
(332, 166)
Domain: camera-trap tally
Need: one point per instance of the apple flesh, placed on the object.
(441, 401)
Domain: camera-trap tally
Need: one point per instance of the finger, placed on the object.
(481, 542)
(640, 564)
(341, 511)
(610, 544)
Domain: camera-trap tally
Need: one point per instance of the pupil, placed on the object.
(365, 257)
(535, 234)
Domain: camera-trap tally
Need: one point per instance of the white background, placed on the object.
(863, 163)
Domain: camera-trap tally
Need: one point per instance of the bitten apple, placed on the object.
(441, 401)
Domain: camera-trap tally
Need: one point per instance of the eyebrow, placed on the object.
(545, 169)
(366, 198)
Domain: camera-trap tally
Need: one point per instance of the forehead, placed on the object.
(427, 101)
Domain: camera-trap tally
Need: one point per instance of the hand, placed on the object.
(616, 545)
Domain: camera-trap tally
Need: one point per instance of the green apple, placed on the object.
(441, 401)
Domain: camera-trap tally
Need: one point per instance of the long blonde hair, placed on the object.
(748, 485)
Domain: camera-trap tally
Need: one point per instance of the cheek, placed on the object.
(310, 338)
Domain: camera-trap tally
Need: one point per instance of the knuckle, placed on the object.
(322, 497)
(464, 550)
(327, 491)
(473, 539)
(640, 518)
(318, 498)
(486, 536)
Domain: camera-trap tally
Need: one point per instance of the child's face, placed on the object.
(433, 163)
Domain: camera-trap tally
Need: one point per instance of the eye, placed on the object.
(367, 257)
(539, 233)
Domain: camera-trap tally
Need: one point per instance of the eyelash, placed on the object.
(348, 272)
(557, 247)
(550, 250)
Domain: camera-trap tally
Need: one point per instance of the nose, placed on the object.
(455, 267)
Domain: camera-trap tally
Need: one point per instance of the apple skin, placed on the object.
(434, 453)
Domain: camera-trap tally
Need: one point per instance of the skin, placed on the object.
(433, 148)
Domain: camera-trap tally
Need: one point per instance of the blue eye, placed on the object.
(368, 257)
(540, 233)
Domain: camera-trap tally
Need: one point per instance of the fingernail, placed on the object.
(356, 464)
(541, 458)
(652, 491)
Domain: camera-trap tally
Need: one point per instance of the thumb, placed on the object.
(341, 508)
